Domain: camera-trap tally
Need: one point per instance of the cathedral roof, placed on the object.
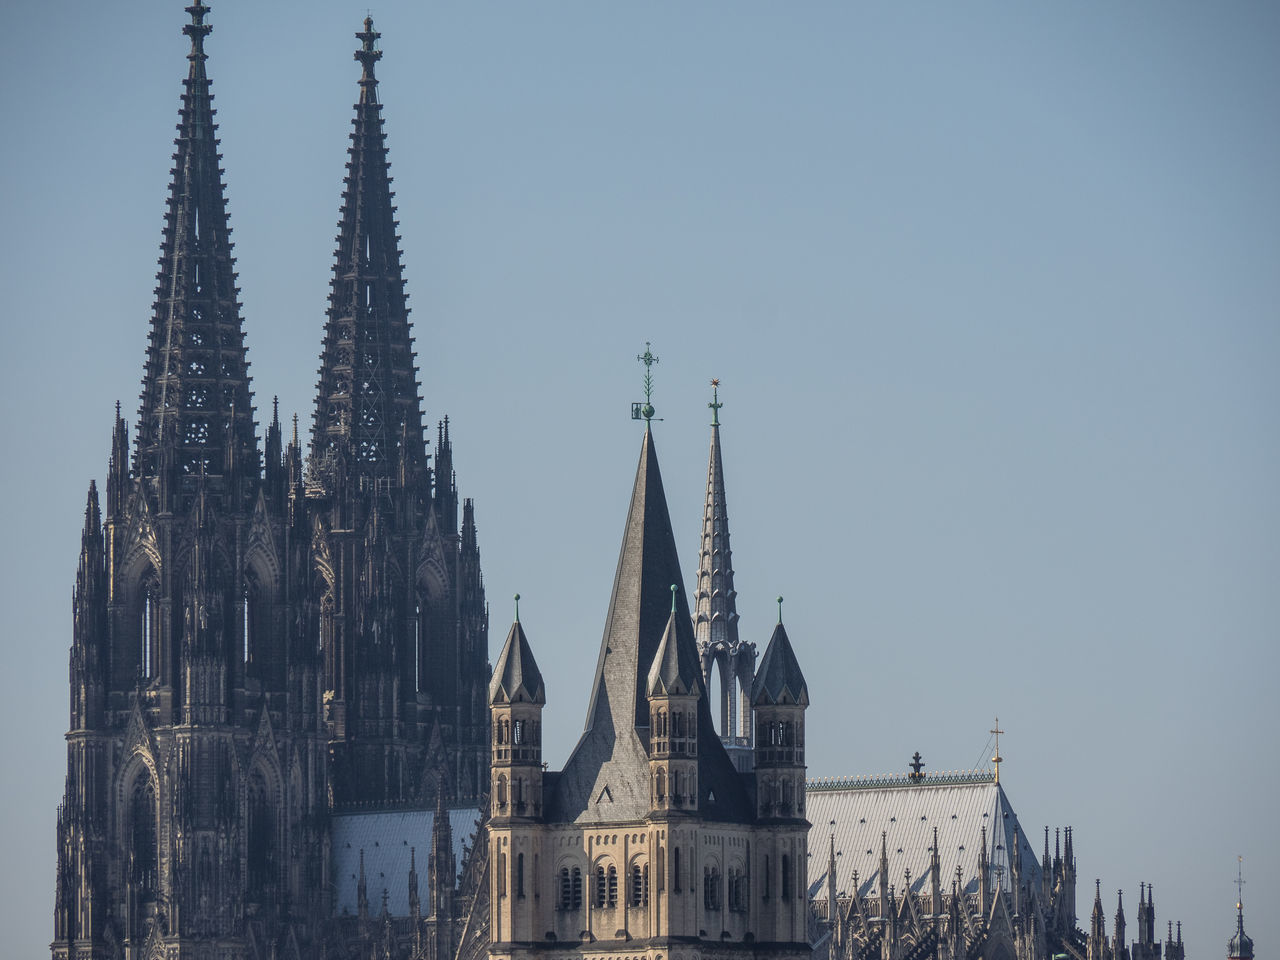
(907, 812)
(1240, 947)
(516, 676)
(779, 679)
(715, 600)
(606, 777)
(387, 839)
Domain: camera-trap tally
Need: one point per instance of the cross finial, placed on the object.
(997, 759)
(1240, 883)
(715, 403)
(916, 765)
(644, 411)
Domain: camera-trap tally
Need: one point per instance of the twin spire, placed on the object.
(197, 417)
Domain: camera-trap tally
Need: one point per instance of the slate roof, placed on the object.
(516, 675)
(959, 806)
(779, 680)
(606, 778)
(671, 673)
(386, 839)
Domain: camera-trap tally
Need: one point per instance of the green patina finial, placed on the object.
(645, 410)
(779, 609)
(517, 608)
(673, 598)
(715, 403)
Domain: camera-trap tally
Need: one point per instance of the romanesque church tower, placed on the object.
(257, 644)
(649, 843)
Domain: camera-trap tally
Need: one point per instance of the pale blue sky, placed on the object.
(992, 290)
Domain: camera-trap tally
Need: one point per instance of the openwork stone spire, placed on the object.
(715, 603)
(196, 416)
(367, 405)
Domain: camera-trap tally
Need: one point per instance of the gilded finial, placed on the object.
(673, 598)
(644, 411)
(715, 403)
(517, 598)
(779, 609)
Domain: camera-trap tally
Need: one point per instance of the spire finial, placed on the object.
(1240, 886)
(644, 411)
(779, 609)
(715, 403)
(367, 55)
(517, 599)
(997, 759)
(197, 29)
(673, 598)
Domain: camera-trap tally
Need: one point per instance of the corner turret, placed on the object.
(516, 699)
(779, 697)
(673, 691)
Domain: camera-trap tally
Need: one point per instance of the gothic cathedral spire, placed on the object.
(716, 611)
(196, 417)
(368, 408)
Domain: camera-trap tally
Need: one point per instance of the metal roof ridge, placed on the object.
(870, 781)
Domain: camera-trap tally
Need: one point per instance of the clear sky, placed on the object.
(993, 291)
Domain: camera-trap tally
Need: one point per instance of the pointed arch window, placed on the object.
(260, 835)
(143, 852)
(149, 628)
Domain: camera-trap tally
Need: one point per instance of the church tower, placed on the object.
(715, 621)
(195, 759)
(397, 593)
(648, 843)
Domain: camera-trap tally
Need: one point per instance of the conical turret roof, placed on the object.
(606, 776)
(196, 412)
(516, 676)
(672, 673)
(779, 679)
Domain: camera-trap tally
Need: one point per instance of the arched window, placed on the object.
(675, 869)
(639, 892)
(602, 886)
(142, 839)
(564, 895)
(786, 877)
(768, 878)
(575, 901)
(519, 874)
(149, 628)
(502, 791)
(260, 836)
(613, 885)
(661, 784)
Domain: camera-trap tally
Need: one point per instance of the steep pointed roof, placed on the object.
(606, 776)
(367, 398)
(672, 671)
(516, 675)
(779, 679)
(196, 409)
(715, 600)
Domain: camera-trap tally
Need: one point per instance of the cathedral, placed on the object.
(272, 646)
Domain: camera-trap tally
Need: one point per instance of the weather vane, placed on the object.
(997, 759)
(715, 403)
(644, 411)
